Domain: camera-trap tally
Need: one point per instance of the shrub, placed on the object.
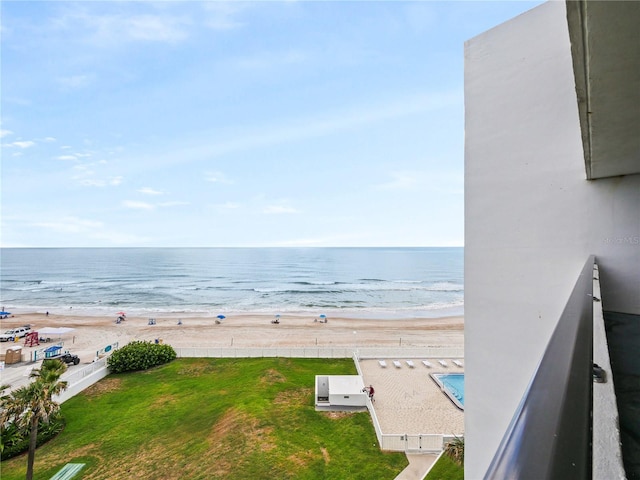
(16, 441)
(455, 450)
(140, 356)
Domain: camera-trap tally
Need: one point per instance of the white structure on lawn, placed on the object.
(340, 392)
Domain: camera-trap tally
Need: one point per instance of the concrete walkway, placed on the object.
(419, 465)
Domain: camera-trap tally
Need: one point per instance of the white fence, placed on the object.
(83, 378)
(40, 354)
(410, 443)
(321, 352)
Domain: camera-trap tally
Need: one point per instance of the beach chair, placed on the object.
(382, 363)
(410, 363)
(397, 364)
(426, 363)
(457, 363)
(443, 363)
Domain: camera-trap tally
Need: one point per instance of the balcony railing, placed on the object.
(550, 434)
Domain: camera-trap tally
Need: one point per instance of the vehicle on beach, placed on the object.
(68, 358)
(11, 335)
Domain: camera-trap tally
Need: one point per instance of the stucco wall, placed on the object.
(531, 217)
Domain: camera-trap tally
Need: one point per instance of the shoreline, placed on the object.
(354, 313)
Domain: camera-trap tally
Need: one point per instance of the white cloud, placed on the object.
(216, 177)
(67, 157)
(92, 182)
(4, 133)
(221, 15)
(329, 240)
(156, 28)
(118, 237)
(434, 181)
(108, 29)
(226, 207)
(278, 209)
(174, 203)
(353, 118)
(69, 225)
(271, 60)
(402, 181)
(137, 205)
(150, 191)
(21, 144)
(50, 139)
(76, 81)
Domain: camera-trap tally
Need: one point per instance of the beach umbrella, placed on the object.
(122, 314)
(277, 315)
(221, 317)
(323, 316)
(5, 313)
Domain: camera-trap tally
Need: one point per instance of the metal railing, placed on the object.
(78, 375)
(550, 434)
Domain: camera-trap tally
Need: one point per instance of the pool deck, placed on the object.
(408, 401)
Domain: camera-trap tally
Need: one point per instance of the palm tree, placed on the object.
(3, 430)
(29, 405)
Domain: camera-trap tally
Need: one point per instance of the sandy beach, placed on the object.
(93, 333)
(407, 400)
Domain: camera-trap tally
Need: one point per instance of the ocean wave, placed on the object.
(250, 280)
(378, 287)
(5, 280)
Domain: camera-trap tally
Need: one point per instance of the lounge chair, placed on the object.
(457, 363)
(410, 363)
(443, 363)
(397, 364)
(382, 363)
(426, 363)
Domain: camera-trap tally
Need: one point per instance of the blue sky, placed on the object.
(236, 124)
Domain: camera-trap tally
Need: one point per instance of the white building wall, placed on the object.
(531, 218)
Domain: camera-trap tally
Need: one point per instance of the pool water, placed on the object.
(453, 383)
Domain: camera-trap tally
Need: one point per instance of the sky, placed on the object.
(248, 124)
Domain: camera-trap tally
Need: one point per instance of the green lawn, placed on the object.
(214, 418)
(446, 469)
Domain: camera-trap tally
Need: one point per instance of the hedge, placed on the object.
(140, 356)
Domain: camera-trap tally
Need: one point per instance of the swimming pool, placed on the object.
(452, 384)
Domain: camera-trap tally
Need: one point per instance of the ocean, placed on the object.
(354, 282)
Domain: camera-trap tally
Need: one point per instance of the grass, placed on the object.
(446, 469)
(214, 418)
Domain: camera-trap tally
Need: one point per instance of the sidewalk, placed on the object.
(419, 465)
